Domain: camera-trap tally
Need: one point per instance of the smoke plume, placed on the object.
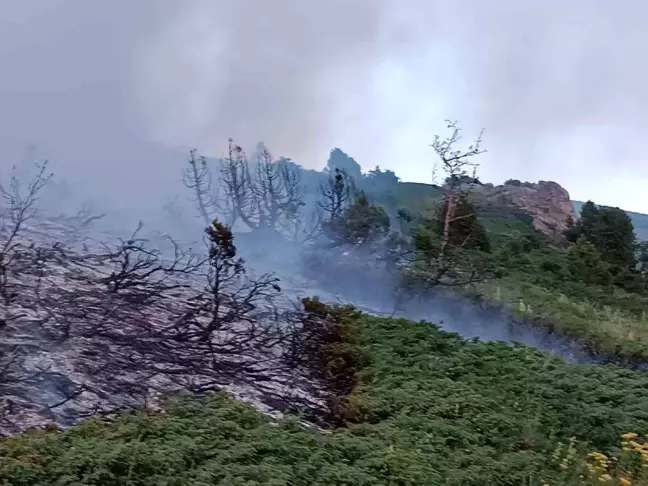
(104, 89)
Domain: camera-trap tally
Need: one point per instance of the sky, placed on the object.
(114, 93)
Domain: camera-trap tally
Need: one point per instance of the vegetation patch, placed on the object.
(437, 409)
(406, 404)
(330, 336)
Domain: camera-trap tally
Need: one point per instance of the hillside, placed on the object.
(494, 349)
(525, 222)
(425, 407)
(429, 409)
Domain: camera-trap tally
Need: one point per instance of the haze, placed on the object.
(113, 93)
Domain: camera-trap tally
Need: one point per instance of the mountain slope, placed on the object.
(432, 409)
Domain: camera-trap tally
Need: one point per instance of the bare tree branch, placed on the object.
(455, 163)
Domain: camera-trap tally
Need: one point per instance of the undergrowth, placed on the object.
(435, 410)
(608, 330)
(544, 286)
(331, 336)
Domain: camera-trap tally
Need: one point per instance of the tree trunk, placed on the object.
(447, 219)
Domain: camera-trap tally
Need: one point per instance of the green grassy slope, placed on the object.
(607, 320)
(539, 287)
(434, 410)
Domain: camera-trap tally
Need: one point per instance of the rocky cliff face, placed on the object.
(547, 202)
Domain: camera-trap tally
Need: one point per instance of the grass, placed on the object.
(438, 410)
(606, 319)
(603, 329)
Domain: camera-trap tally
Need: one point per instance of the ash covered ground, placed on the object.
(70, 350)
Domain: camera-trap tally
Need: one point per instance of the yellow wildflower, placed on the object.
(630, 436)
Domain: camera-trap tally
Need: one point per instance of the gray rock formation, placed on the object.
(547, 202)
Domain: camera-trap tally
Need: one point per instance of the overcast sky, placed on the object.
(103, 88)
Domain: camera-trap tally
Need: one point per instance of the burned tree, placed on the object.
(18, 208)
(277, 191)
(230, 299)
(265, 194)
(207, 192)
(139, 273)
(21, 264)
(91, 294)
(186, 322)
(359, 225)
(238, 185)
(198, 178)
(336, 194)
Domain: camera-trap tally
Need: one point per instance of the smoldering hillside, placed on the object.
(102, 312)
(99, 314)
(357, 275)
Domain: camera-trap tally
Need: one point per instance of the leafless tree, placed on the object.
(307, 225)
(458, 165)
(103, 288)
(227, 331)
(209, 195)
(198, 179)
(277, 190)
(86, 215)
(265, 194)
(447, 262)
(21, 265)
(238, 185)
(19, 207)
(195, 323)
(336, 195)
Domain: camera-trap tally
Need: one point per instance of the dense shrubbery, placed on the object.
(437, 410)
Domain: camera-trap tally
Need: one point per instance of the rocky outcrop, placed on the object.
(547, 202)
